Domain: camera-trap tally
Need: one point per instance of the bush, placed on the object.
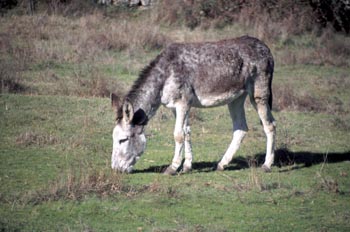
(334, 12)
(274, 18)
(247, 12)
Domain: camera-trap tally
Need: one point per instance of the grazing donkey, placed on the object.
(196, 75)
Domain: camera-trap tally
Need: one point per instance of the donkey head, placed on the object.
(129, 140)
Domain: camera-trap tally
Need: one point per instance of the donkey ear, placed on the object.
(128, 111)
(116, 102)
(140, 118)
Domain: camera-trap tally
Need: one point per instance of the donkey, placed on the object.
(189, 75)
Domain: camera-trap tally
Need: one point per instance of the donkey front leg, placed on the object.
(179, 137)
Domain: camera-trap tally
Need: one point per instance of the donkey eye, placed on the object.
(123, 140)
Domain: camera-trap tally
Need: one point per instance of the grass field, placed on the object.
(56, 136)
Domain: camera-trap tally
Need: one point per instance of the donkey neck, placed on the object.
(145, 93)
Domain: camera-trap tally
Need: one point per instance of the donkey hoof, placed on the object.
(186, 170)
(170, 171)
(265, 168)
(219, 168)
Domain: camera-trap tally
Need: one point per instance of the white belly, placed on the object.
(216, 100)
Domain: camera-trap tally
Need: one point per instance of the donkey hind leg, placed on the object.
(240, 129)
(187, 167)
(179, 136)
(269, 125)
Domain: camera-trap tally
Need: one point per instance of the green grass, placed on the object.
(45, 183)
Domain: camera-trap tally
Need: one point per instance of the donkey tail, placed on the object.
(271, 69)
(270, 93)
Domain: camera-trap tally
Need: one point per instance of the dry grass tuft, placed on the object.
(327, 184)
(102, 184)
(32, 138)
(157, 187)
(75, 187)
(93, 83)
(255, 180)
(288, 99)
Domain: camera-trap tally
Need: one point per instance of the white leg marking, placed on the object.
(270, 131)
(240, 129)
(238, 136)
(188, 147)
(179, 136)
(270, 145)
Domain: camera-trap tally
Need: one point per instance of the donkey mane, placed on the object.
(142, 79)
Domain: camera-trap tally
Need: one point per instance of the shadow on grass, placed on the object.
(283, 158)
(303, 159)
